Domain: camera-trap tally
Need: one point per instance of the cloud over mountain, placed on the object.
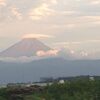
(47, 53)
(37, 36)
(67, 20)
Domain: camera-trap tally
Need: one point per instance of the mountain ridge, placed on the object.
(25, 47)
(50, 67)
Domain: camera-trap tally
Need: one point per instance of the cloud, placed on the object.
(2, 2)
(67, 43)
(84, 54)
(92, 41)
(51, 8)
(66, 19)
(95, 2)
(68, 12)
(22, 59)
(85, 45)
(54, 2)
(40, 12)
(47, 53)
(50, 2)
(90, 2)
(43, 10)
(91, 18)
(38, 36)
(77, 42)
(16, 13)
(71, 54)
(67, 26)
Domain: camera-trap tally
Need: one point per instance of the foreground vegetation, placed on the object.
(73, 90)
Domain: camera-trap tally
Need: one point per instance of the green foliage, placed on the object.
(2, 98)
(73, 90)
(32, 97)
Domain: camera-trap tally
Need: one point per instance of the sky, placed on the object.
(70, 24)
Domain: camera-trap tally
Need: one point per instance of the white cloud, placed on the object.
(84, 54)
(69, 12)
(22, 59)
(79, 45)
(43, 10)
(54, 1)
(64, 26)
(90, 2)
(72, 52)
(47, 53)
(92, 41)
(94, 18)
(68, 43)
(95, 2)
(40, 12)
(2, 2)
(50, 2)
(38, 36)
(16, 13)
(77, 42)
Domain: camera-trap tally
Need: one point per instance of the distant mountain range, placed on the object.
(50, 67)
(33, 70)
(26, 47)
(32, 47)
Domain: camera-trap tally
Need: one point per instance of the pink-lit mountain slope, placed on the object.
(26, 47)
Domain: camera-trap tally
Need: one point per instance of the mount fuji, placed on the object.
(26, 47)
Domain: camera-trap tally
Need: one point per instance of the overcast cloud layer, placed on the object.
(71, 24)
